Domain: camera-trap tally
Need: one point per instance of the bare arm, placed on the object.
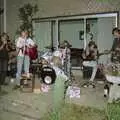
(83, 55)
(87, 51)
(95, 53)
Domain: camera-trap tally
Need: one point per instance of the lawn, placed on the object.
(74, 112)
(113, 111)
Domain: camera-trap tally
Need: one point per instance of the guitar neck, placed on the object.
(105, 52)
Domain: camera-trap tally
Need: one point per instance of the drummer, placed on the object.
(63, 50)
(60, 53)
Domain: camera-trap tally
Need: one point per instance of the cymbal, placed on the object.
(48, 47)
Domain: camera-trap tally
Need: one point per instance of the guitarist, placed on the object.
(115, 57)
(90, 56)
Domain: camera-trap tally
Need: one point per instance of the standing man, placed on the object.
(115, 57)
(3, 57)
(24, 42)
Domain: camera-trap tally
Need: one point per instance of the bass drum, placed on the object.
(48, 75)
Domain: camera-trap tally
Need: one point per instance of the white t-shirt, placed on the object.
(21, 43)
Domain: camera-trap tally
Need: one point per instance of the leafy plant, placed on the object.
(112, 69)
(26, 14)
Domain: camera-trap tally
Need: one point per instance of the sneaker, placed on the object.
(16, 87)
(91, 85)
(85, 86)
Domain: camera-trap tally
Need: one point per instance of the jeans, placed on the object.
(92, 64)
(23, 64)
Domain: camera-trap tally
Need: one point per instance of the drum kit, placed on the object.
(58, 58)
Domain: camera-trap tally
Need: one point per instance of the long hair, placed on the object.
(91, 43)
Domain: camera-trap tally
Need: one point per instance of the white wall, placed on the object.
(105, 37)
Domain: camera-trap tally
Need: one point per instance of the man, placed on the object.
(24, 42)
(90, 56)
(3, 57)
(116, 46)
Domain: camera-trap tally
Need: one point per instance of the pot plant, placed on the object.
(112, 72)
(26, 14)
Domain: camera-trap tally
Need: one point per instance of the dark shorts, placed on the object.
(3, 65)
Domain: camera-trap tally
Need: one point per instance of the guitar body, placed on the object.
(33, 53)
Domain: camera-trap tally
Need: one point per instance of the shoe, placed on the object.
(85, 86)
(5, 84)
(91, 85)
(16, 87)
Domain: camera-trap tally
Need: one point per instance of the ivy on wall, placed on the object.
(26, 14)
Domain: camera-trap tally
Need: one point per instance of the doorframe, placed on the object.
(5, 12)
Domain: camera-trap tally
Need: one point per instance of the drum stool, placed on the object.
(87, 72)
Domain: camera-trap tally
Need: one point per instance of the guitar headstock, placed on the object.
(106, 51)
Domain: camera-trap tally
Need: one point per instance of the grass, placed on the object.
(113, 111)
(74, 112)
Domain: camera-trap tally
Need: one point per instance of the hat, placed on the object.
(64, 44)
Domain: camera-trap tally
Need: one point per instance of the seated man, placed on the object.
(90, 56)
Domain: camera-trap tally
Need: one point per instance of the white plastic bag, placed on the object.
(73, 92)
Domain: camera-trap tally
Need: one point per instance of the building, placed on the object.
(59, 20)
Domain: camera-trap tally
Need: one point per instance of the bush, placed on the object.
(76, 112)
